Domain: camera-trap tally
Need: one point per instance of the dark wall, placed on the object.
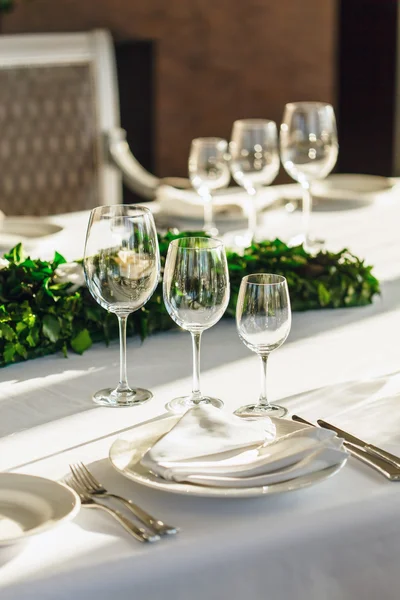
(135, 71)
(367, 35)
(216, 61)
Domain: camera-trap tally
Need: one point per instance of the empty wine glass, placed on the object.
(263, 319)
(209, 171)
(254, 161)
(309, 150)
(122, 268)
(196, 295)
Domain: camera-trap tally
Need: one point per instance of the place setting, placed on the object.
(191, 280)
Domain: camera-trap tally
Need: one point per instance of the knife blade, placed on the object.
(369, 448)
(383, 467)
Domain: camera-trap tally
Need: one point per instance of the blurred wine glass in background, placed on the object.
(309, 150)
(208, 172)
(254, 162)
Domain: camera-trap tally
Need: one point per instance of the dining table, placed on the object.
(336, 540)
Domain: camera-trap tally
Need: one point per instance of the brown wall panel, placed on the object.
(217, 60)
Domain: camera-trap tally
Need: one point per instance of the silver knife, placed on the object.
(383, 467)
(369, 448)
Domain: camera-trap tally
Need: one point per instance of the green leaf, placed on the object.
(51, 328)
(323, 295)
(9, 352)
(21, 350)
(16, 254)
(58, 260)
(7, 332)
(81, 342)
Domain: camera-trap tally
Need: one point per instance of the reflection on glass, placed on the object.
(196, 295)
(122, 268)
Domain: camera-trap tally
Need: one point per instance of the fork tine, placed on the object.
(73, 484)
(90, 476)
(76, 476)
(84, 478)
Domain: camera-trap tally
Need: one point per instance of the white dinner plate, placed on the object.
(28, 230)
(30, 505)
(185, 206)
(126, 453)
(344, 191)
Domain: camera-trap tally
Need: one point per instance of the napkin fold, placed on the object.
(210, 447)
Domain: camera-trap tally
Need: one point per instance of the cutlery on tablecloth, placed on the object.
(88, 501)
(383, 466)
(369, 448)
(93, 487)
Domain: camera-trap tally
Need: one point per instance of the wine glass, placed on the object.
(254, 161)
(122, 269)
(309, 150)
(263, 320)
(209, 171)
(196, 295)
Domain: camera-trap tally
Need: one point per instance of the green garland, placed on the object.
(39, 315)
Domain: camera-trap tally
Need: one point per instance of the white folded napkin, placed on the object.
(210, 447)
(204, 431)
(232, 201)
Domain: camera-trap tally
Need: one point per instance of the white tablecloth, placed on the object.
(339, 540)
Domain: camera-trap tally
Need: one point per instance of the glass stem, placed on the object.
(209, 225)
(196, 394)
(123, 385)
(307, 209)
(252, 213)
(263, 401)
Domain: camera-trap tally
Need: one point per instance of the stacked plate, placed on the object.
(210, 453)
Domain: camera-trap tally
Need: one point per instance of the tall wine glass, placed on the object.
(254, 161)
(196, 295)
(263, 319)
(122, 268)
(309, 150)
(209, 171)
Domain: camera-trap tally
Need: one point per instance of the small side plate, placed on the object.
(28, 230)
(30, 505)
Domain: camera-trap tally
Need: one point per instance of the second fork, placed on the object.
(93, 487)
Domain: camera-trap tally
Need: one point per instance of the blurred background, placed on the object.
(189, 68)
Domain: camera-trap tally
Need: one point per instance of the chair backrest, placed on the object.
(58, 99)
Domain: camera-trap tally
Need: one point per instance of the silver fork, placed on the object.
(86, 500)
(93, 487)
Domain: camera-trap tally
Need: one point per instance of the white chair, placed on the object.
(61, 145)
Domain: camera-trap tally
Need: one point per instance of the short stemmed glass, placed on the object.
(254, 161)
(208, 172)
(122, 269)
(263, 319)
(196, 295)
(309, 151)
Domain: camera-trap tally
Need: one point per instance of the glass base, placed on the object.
(257, 411)
(110, 397)
(182, 404)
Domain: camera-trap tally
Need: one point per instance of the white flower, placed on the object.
(4, 263)
(70, 273)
